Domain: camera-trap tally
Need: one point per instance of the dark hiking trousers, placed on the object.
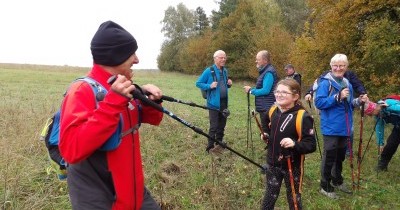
(275, 175)
(148, 201)
(390, 148)
(332, 161)
(217, 123)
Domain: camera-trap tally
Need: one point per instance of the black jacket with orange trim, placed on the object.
(283, 125)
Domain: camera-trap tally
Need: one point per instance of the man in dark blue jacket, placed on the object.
(292, 73)
(265, 85)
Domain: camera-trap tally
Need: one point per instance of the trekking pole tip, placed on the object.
(226, 113)
(264, 169)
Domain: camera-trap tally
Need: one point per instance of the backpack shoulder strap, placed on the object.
(271, 111)
(98, 90)
(299, 120)
(213, 73)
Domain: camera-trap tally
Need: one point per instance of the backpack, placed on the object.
(50, 133)
(204, 92)
(299, 119)
(393, 96)
(316, 84)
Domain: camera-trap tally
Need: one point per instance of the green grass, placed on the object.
(178, 171)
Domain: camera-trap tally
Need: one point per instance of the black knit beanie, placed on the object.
(112, 45)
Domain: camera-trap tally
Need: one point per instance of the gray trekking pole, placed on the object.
(224, 112)
(249, 129)
(370, 137)
(360, 145)
(138, 95)
(316, 133)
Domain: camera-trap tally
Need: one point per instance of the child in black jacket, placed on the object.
(286, 148)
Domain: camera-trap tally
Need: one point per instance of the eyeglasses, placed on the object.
(338, 66)
(282, 93)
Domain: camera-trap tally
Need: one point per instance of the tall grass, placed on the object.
(179, 173)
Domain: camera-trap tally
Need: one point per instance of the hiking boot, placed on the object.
(209, 147)
(343, 188)
(380, 168)
(328, 194)
(217, 149)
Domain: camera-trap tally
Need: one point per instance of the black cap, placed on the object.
(112, 45)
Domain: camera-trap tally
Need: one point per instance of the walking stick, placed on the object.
(366, 148)
(264, 135)
(294, 197)
(224, 112)
(315, 129)
(370, 137)
(346, 106)
(138, 95)
(249, 129)
(360, 146)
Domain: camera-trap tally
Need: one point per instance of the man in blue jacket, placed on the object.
(265, 85)
(216, 84)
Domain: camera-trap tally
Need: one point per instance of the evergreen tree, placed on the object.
(201, 21)
(226, 7)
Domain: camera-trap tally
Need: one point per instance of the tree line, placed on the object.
(305, 33)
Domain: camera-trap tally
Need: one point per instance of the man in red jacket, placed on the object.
(101, 177)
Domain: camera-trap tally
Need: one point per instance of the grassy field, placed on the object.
(178, 171)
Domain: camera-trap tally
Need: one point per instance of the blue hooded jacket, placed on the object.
(204, 82)
(336, 115)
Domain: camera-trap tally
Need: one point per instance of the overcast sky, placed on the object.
(59, 32)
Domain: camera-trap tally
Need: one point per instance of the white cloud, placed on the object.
(59, 32)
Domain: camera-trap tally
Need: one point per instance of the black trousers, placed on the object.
(332, 160)
(275, 175)
(148, 201)
(217, 123)
(391, 146)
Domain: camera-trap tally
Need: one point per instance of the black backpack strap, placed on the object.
(213, 73)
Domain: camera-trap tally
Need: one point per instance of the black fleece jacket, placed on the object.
(283, 125)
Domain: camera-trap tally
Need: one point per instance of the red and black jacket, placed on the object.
(102, 179)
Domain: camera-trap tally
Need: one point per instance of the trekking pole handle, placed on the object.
(362, 108)
(309, 104)
(167, 98)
